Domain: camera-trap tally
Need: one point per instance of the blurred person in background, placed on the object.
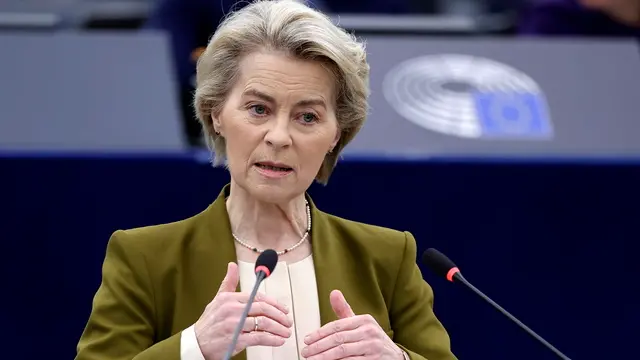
(190, 24)
(598, 18)
(280, 92)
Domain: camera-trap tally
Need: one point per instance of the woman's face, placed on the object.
(279, 122)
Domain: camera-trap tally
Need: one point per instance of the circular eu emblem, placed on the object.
(467, 96)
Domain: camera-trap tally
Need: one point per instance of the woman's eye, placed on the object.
(309, 117)
(259, 109)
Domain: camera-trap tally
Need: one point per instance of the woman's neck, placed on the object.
(266, 225)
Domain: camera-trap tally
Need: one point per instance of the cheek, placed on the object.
(314, 154)
(240, 144)
(315, 151)
(310, 164)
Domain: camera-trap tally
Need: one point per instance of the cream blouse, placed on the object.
(292, 284)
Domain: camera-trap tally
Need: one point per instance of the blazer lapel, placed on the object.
(220, 230)
(326, 249)
(224, 250)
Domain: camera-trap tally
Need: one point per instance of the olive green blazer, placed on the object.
(157, 280)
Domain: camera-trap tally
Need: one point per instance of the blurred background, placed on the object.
(505, 133)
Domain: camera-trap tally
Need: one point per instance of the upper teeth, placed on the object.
(273, 167)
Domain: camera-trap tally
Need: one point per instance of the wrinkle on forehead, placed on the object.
(280, 73)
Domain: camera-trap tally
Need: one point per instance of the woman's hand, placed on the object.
(214, 329)
(350, 337)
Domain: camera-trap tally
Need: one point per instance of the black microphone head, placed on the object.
(440, 264)
(266, 262)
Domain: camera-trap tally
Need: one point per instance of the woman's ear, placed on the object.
(217, 126)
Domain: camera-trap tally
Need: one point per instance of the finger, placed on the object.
(332, 341)
(340, 305)
(231, 279)
(270, 311)
(260, 297)
(258, 338)
(267, 325)
(333, 328)
(342, 351)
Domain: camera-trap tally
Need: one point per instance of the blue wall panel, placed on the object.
(556, 245)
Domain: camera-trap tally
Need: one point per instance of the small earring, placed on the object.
(217, 132)
(330, 151)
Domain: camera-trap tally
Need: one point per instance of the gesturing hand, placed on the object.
(350, 337)
(268, 323)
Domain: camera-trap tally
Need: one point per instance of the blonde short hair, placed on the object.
(297, 30)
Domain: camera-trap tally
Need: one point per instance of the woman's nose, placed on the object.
(278, 134)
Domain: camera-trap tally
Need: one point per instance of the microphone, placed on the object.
(265, 264)
(444, 267)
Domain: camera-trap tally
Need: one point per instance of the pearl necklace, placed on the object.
(281, 252)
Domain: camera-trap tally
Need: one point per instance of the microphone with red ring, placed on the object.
(443, 266)
(265, 264)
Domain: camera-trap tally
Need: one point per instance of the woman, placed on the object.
(281, 91)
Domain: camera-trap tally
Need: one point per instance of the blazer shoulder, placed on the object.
(160, 237)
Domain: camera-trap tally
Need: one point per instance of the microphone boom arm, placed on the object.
(460, 278)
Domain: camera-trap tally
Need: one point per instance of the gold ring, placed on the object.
(255, 323)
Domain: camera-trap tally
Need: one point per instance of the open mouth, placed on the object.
(270, 167)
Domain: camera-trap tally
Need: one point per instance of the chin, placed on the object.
(273, 193)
